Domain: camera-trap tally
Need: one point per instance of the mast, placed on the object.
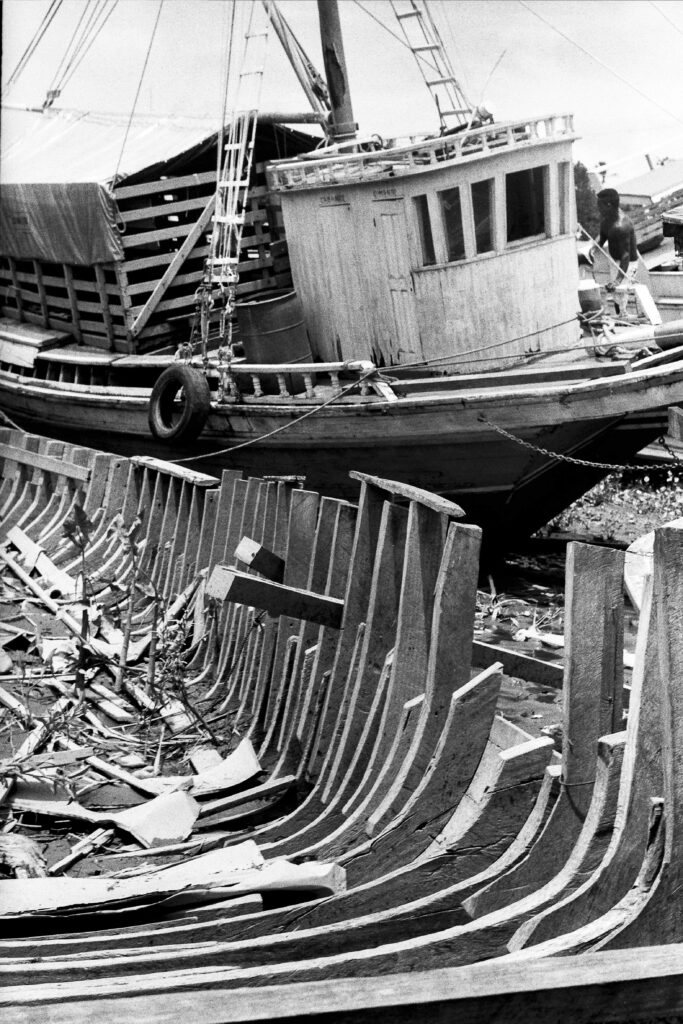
(343, 125)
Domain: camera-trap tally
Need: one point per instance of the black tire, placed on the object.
(175, 417)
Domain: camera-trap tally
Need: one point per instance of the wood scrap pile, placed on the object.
(456, 857)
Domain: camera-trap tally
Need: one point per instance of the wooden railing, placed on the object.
(285, 175)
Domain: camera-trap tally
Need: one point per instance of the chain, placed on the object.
(614, 467)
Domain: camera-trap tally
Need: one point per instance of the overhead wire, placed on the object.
(104, 14)
(598, 60)
(33, 44)
(666, 17)
(137, 94)
(69, 46)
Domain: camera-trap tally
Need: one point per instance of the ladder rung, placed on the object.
(441, 81)
(233, 145)
(426, 46)
(225, 261)
(231, 184)
(409, 14)
(229, 218)
(449, 113)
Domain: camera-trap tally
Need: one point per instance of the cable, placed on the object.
(277, 430)
(86, 45)
(137, 94)
(33, 44)
(666, 17)
(597, 60)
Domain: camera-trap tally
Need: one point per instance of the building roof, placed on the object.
(656, 185)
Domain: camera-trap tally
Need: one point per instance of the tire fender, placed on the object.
(164, 421)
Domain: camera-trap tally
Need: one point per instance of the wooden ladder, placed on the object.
(422, 37)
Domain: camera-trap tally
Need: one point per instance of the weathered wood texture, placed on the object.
(460, 840)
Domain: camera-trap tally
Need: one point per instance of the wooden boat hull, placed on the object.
(462, 840)
(446, 441)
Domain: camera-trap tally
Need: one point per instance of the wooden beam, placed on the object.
(522, 666)
(174, 267)
(228, 584)
(260, 559)
(45, 462)
(126, 303)
(38, 271)
(16, 286)
(400, 490)
(167, 185)
(73, 302)
(104, 302)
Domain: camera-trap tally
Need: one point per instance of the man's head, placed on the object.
(608, 200)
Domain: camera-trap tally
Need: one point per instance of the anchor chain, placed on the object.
(573, 460)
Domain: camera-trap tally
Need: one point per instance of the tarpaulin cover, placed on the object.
(56, 172)
(64, 223)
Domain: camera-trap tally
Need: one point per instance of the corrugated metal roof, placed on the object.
(72, 146)
(656, 184)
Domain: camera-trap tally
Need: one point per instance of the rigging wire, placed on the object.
(137, 94)
(69, 46)
(33, 44)
(597, 60)
(104, 15)
(666, 17)
(393, 35)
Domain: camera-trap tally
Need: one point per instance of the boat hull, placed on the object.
(454, 442)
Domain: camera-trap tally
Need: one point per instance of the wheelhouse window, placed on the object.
(425, 228)
(482, 210)
(525, 203)
(451, 211)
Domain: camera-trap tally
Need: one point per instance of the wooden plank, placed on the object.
(104, 304)
(593, 665)
(521, 666)
(226, 584)
(260, 559)
(163, 209)
(171, 469)
(193, 234)
(410, 493)
(38, 271)
(73, 302)
(39, 461)
(165, 185)
(627, 985)
(15, 286)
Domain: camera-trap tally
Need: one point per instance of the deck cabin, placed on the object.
(452, 254)
(104, 227)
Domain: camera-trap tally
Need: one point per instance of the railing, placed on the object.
(363, 372)
(287, 175)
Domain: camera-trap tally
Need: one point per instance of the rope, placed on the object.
(571, 459)
(137, 94)
(487, 348)
(285, 426)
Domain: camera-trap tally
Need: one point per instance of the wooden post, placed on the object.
(73, 302)
(38, 271)
(126, 303)
(104, 301)
(16, 286)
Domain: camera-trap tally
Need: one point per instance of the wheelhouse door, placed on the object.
(401, 341)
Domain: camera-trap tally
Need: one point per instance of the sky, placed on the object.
(614, 64)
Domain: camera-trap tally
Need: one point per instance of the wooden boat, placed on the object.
(435, 326)
(485, 873)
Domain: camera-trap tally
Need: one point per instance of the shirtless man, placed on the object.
(617, 230)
